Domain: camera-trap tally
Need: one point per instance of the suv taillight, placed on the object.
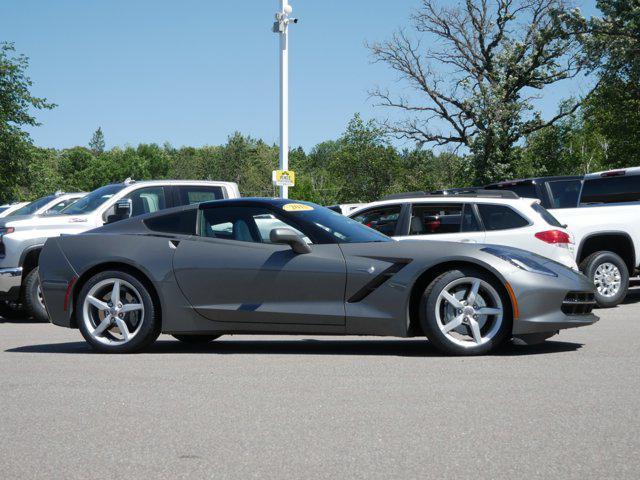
(555, 237)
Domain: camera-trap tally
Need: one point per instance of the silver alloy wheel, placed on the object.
(469, 312)
(113, 311)
(607, 279)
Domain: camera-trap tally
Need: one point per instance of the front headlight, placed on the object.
(522, 262)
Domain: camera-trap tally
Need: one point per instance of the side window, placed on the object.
(469, 220)
(500, 217)
(427, 219)
(564, 193)
(182, 223)
(523, 189)
(244, 224)
(383, 219)
(611, 190)
(147, 200)
(188, 195)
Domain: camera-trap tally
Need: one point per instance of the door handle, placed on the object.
(173, 244)
(467, 240)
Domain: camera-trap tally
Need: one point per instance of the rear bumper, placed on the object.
(10, 282)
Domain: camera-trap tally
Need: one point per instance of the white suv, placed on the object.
(500, 218)
(22, 238)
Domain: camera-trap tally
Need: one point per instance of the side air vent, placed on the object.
(365, 291)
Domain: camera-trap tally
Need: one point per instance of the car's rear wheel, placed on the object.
(465, 312)
(116, 314)
(196, 339)
(33, 299)
(609, 274)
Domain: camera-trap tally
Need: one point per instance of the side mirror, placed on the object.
(121, 210)
(286, 236)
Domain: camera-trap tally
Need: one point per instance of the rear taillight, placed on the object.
(67, 295)
(555, 237)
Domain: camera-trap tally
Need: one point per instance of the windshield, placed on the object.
(92, 201)
(31, 208)
(343, 229)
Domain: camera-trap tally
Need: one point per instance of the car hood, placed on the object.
(42, 221)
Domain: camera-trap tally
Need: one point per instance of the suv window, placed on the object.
(382, 219)
(469, 220)
(243, 224)
(611, 190)
(564, 193)
(147, 200)
(189, 195)
(500, 217)
(427, 219)
(181, 223)
(546, 215)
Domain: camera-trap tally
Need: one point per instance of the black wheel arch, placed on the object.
(602, 241)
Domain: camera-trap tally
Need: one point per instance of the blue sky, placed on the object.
(192, 72)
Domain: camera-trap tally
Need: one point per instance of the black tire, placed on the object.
(429, 322)
(148, 331)
(590, 264)
(33, 302)
(196, 339)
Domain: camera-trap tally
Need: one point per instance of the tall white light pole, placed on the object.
(281, 27)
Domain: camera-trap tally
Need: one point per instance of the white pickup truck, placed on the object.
(22, 239)
(602, 211)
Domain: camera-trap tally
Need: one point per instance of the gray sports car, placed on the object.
(286, 267)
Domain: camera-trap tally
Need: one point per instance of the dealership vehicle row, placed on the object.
(470, 268)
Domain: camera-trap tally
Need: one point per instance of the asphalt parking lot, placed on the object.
(300, 407)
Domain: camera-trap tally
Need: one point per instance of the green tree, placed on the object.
(96, 144)
(473, 68)
(16, 102)
(366, 165)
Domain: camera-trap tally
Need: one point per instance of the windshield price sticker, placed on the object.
(297, 207)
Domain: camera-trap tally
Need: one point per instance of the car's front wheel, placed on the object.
(465, 312)
(116, 314)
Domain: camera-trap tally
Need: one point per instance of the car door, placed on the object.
(447, 222)
(231, 272)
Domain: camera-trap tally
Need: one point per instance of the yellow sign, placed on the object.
(296, 207)
(284, 178)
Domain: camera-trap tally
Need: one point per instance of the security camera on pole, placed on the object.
(283, 177)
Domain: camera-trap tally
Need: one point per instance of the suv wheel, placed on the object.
(609, 274)
(33, 300)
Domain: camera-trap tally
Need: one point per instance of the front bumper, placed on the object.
(549, 304)
(10, 281)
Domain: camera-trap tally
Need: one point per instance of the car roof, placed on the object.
(618, 172)
(134, 183)
(535, 179)
(253, 201)
(520, 202)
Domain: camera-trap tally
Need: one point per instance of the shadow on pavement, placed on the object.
(398, 348)
(633, 296)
